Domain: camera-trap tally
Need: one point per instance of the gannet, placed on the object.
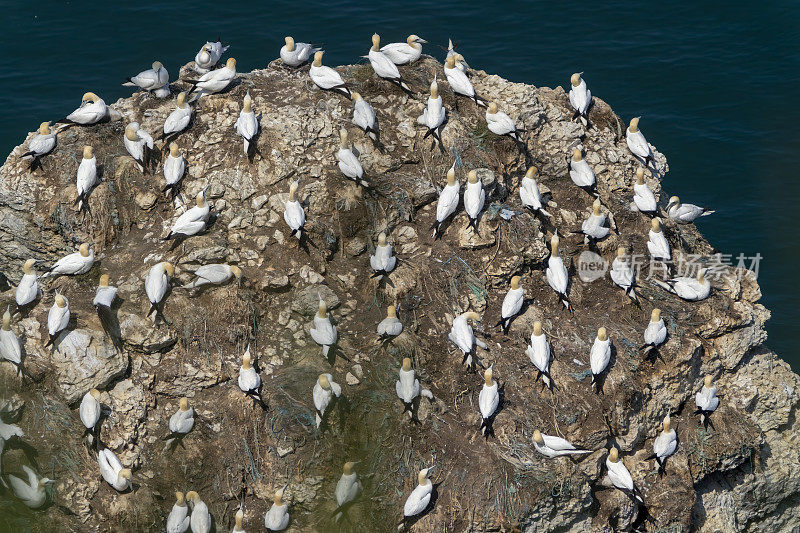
(249, 381)
(324, 391)
(86, 178)
(213, 81)
(214, 274)
(706, 401)
(112, 471)
(688, 288)
(512, 304)
(139, 144)
(599, 356)
(551, 446)
(529, 193)
(433, 115)
(92, 110)
(41, 144)
(461, 64)
(348, 162)
(73, 264)
(295, 54)
(324, 332)
(407, 386)
(208, 56)
(347, 488)
(179, 119)
(622, 274)
(89, 413)
(501, 124)
(420, 497)
(459, 82)
(620, 477)
(364, 116)
(153, 80)
(293, 213)
(539, 353)
(656, 332)
(390, 326)
(462, 336)
(28, 289)
(182, 421)
(383, 66)
(9, 431)
(178, 519)
(325, 77)
(200, 520)
(474, 198)
(685, 213)
(10, 348)
(643, 198)
(57, 318)
(657, 243)
(238, 518)
(155, 286)
(580, 98)
(383, 260)
(174, 171)
(192, 221)
(447, 203)
(404, 53)
(581, 173)
(277, 518)
(33, 493)
(488, 400)
(637, 144)
(556, 273)
(247, 126)
(664, 445)
(594, 228)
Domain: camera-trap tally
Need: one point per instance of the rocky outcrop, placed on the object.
(742, 475)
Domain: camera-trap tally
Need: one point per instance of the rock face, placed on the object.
(741, 475)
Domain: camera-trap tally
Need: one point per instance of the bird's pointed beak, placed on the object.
(421, 40)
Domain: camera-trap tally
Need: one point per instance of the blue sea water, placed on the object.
(715, 83)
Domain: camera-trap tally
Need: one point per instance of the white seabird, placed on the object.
(623, 275)
(657, 243)
(383, 66)
(10, 347)
(208, 56)
(277, 517)
(620, 477)
(249, 381)
(153, 80)
(238, 518)
(685, 213)
(580, 98)
(86, 179)
(390, 326)
(407, 386)
(637, 144)
(324, 391)
(324, 332)
(139, 144)
(325, 77)
(551, 446)
(347, 488)
(488, 400)
(293, 213)
(92, 110)
(599, 356)
(213, 81)
(383, 260)
(539, 354)
(501, 124)
(594, 228)
(33, 493)
(688, 288)
(474, 198)
(28, 289)
(155, 286)
(192, 221)
(664, 445)
(57, 318)
(655, 333)
(420, 497)
(447, 203)
(112, 471)
(433, 115)
(178, 519)
(529, 193)
(557, 274)
(364, 116)
(247, 126)
(581, 173)
(174, 171)
(89, 413)
(179, 119)
(200, 520)
(404, 53)
(463, 337)
(41, 144)
(182, 421)
(706, 401)
(459, 82)
(643, 198)
(348, 162)
(512, 304)
(461, 64)
(295, 54)
(214, 274)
